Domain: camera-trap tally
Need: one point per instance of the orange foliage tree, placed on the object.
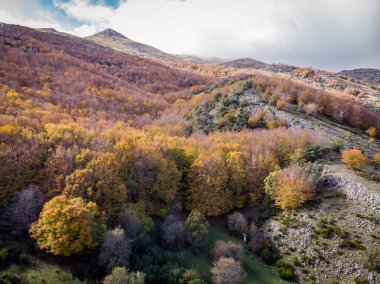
(372, 131)
(293, 188)
(377, 158)
(354, 158)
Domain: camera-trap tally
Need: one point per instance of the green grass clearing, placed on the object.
(257, 272)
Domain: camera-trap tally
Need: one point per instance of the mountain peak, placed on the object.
(111, 33)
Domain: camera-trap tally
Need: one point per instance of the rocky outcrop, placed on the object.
(353, 189)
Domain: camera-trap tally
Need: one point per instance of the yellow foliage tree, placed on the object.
(237, 177)
(68, 226)
(208, 191)
(354, 158)
(293, 188)
(99, 182)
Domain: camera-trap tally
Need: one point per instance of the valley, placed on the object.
(121, 161)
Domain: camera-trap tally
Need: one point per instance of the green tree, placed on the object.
(197, 229)
(270, 183)
(68, 226)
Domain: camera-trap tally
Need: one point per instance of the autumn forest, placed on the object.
(115, 167)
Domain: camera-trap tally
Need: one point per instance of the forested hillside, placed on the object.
(113, 166)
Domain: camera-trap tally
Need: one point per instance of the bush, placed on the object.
(198, 89)
(373, 260)
(293, 188)
(285, 270)
(337, 145)
(269, 255)
(12, 278)
(120, 275)
(372, 131)
(276, 123)
(280, 104)
(354, 158)
(227, 271)
(236, 222)
(224, 249)
(311, 108)
(377, 158)
(360, 280)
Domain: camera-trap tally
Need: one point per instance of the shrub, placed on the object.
(360, 280)
(337, 145)
(68, 226)
(293, 188)
(198, 89)
(269, 255)
(372, 131)
(280, 104)
(373, 260)
(227, 271)
(377, 158)
(227, 249)
(190, 276)
(285, 270)
(311, 108)
(276, 123)
(115, 250)
(354, 158)
(236, 222)
(121, 275)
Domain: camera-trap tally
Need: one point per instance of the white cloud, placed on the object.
(331, 34)
(29, 13)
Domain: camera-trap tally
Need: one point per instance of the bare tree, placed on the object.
(24, 209)
(227, 271)
(236, 222)
(130, 224)
(173, 231)
(116, 249)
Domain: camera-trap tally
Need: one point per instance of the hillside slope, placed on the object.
(73, 74)
(117, 41)
(363, 75)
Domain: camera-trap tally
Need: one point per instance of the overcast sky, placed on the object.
(326, 34)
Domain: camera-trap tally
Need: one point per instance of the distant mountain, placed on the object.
(363, 75)
(249, 63)
(244, 63)
(117, 41)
